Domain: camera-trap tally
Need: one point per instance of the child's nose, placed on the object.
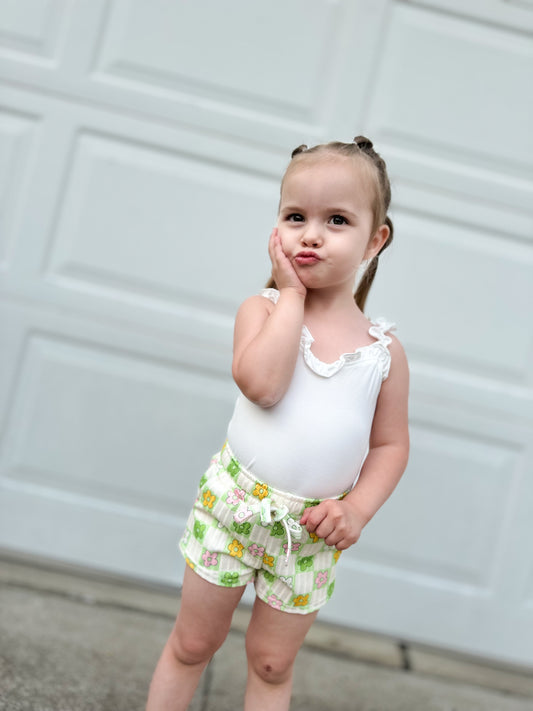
(312, 237)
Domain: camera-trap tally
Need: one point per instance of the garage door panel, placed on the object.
(515, 14)
(36, 168)
(118, 214)
(454, 542)
(483, 58)
(34, 31)
(83, 404)
(110, 58)
(82, 416)
(427, 612)
(453, 325)
(158, 44)
(496, 201)
(162, 209)
(18, 134)
(479, 404)
(115, 538)
(528, 596)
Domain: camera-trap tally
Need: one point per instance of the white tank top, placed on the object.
(313, 442)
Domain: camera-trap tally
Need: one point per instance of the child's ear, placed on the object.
(378, 239)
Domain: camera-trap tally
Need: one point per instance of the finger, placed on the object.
(310, 512)
(276, 253)
(304, 517)
(337, 539)
(346, 539)
(272, 243)
(343, 544)
(326, 527)
(332, 540)
(312, 521)
(326, 530)
(315, 518)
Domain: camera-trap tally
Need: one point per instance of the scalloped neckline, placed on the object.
(327, 369)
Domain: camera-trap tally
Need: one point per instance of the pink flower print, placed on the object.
(275, 602)
(294, 547)
(321, 578)
(243, 514)
(210, 559)
(256, 551)
(235, 497)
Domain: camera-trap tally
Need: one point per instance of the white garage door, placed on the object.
(141, 147)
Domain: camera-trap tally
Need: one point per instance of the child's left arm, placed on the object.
(340, 523)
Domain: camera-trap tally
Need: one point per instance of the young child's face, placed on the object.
(325, 220)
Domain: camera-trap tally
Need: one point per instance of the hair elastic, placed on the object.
(300, 149)
(363, 143)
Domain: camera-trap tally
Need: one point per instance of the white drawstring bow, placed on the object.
(269, 513)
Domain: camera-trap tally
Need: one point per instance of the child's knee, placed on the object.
(191, 648)
(271, 665)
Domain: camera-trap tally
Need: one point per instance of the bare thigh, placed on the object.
(204, 617)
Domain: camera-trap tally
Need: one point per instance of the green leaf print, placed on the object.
(199, 530)
(243, 528)
(305, 563)
(233, 467)
(269, 576)
(311, 502)
(229, 579)
(277, 530)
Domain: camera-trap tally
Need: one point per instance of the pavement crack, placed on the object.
(404, 653)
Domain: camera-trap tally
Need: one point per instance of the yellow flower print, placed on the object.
(268, 560)
(208, 499)
(190, 564)
(301, 600)
(337, 555)
(261, 490)
(235, 548)
(314, 537)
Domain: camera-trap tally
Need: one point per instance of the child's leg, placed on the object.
(201, 627)
(272, 643)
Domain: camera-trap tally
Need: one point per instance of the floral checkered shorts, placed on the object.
(241, 530)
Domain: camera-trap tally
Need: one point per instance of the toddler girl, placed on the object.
(318, 439)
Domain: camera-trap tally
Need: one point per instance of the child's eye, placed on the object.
(338, 220)
(295, 217)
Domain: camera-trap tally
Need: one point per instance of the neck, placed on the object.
(330, 300)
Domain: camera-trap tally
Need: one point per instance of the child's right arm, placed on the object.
(267, 336)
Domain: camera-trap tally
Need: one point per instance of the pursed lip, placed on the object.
(307, 257)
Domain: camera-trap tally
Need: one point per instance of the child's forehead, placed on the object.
(306, 166)
(328, 160)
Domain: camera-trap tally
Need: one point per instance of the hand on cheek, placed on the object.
(283, 272)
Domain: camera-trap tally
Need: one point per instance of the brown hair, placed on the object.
(362, 148)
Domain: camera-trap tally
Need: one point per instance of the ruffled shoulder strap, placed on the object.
(270, 294)
(378, 330)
